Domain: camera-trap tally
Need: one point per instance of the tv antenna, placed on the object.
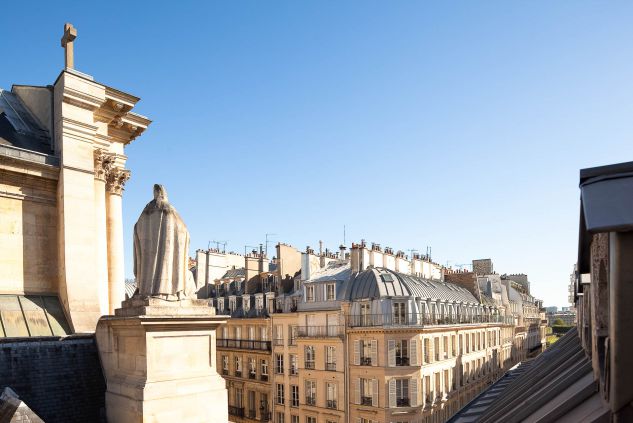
(267, 235)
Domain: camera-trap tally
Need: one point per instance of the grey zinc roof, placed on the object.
(234, 273)
(334, 271)
(380, 282)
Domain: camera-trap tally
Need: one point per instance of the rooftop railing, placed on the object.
(422, 319)
(332, 331)
(244, 344)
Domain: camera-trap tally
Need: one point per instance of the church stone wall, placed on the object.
(59, 379)
(28, 234)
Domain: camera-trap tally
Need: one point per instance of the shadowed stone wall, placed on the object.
(60, 379)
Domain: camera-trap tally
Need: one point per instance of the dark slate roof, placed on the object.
(381, 282)
(19, 128)
(59, 379)
(558, 385)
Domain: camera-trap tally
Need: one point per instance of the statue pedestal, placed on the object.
(158, 358)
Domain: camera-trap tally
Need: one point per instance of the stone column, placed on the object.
(102, 165)
(115, 179)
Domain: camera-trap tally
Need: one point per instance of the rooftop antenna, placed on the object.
(217, 245)
(267, 235)
(411, 251)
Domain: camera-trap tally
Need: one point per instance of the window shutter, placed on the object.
(413, 391)
(413, 352)
(357, 353)
(392, 393)
(358, 420)
(374, 392)
(374, 352)
(357, 391)
(391, 353)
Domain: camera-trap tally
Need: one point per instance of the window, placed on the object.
(251, 333)
(402, 392)
(453, 347)
(280, 417)
(252, 368)
(366, 353)
(310, 386)
(279, 399)
(311, 419)
(294, 396)
(310, 294)
(365, 314)
(238, 332)
(293, 364)
(366, 391)
(264, 375)
(399, 313)
(293, 335)
(445, 347)
(330, 390)
(402, 352)
(330, 358)
(238, 398)
(252, 407)
(225, 364)
(330, 292)
(238, 366)
(279, 335)
(309, 357)
(279, 364)
(294, 419)
(428, 389)
(436, 345)
(263, 334)
(427, 350)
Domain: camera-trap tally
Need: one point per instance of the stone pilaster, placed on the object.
(115, 180)
(103, 163)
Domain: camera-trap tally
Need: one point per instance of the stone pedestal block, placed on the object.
(159, 361)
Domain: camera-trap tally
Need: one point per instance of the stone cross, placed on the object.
(70, 33)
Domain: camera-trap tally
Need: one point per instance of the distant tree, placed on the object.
(558, 322)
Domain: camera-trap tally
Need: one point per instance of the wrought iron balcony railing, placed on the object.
(243, 344)
(402, 361)
(365, 361)
(402, 402)
(310, 400)
(422, 319)
(236, 411)
(330, 367)
(309, 365)
(333, 331)
(331, 404)
(365, 400)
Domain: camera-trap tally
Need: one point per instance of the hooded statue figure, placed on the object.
(161, 247)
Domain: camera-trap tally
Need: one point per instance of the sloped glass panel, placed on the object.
(33, 308)
(12, 317)
(56, 317)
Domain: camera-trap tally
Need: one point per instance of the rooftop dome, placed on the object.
(380, 282)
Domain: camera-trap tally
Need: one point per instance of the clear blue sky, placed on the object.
(459, 125)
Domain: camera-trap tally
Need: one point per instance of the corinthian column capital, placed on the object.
(103, 163)
(116, 178)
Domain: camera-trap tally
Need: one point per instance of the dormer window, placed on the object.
(330, 292)
(386, 277)
(310, 293)
(259, 303)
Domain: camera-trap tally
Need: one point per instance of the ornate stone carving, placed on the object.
(116, 178)
(103, 163)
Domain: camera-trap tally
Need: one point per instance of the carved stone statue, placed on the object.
(161, 246)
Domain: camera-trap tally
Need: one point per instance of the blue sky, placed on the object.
(456, 125)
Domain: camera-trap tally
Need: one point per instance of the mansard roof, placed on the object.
(381, 282)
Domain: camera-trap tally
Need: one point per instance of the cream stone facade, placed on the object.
(365, 344)
(62, 173)
(61, 233)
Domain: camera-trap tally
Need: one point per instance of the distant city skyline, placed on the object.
(412, 124)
